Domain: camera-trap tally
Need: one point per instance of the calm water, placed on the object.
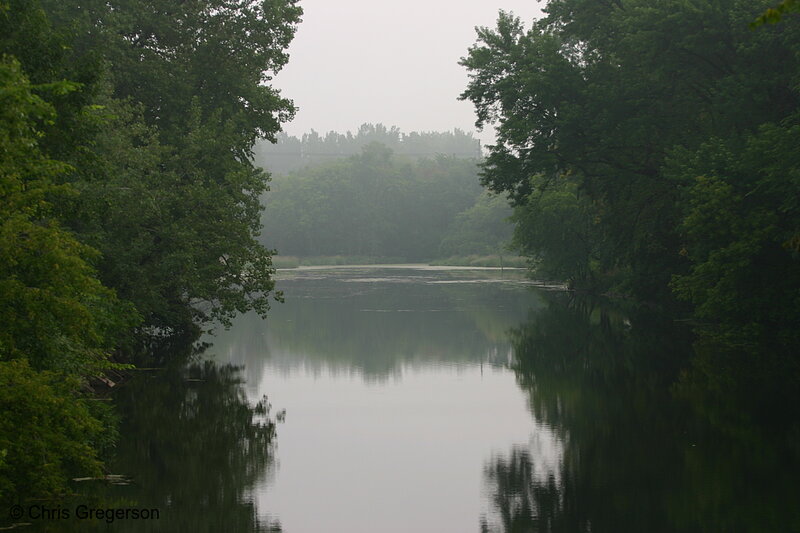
(397, 390)
(441, 400)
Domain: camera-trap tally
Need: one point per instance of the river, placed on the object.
(441, 400)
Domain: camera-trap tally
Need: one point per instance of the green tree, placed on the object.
(312, 149)
(556, 227)
(133, 179)
(47, 434)
(58, 323)
(159, 137)
(484, 228)
(741, 232)
(603, 92)
(374, 204)
(775, 14)
(53, 310)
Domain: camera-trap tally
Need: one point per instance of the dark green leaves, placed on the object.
(601, 92)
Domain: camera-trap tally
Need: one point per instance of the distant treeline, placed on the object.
(378, 204)
(652, 149)
(292, 153)
(129, 209)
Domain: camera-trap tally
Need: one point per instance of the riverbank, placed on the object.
(503, 261)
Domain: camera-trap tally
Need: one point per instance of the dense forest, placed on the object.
(129, 209)
(312, 149)
(414, 204)
(651, 151)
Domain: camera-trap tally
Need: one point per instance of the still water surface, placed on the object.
(397, 390)
(443, 400)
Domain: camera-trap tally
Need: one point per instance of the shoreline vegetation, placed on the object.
(129, 208)
(496, 261)
(650, 152)
(380, 195)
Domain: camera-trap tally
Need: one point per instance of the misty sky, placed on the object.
(356, 61)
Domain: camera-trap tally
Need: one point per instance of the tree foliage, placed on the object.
(379, 205)
(774, 14)
(168, 195)
(556, 227)
(312, 149)
(673, 125)
(46, 434)
(482, 228)
(53, 309)
(741, 233)
(128, 203)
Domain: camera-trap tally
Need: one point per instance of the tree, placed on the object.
(374, 204)
(775, 14)
(483, 228)
(740, 232)
(312, 149)
(115, 193)
(160, 149)
(58, 323)
(603, 92)
(53, 309)
(46, 434)
(557, 228)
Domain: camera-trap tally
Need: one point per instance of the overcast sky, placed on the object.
(394, 62)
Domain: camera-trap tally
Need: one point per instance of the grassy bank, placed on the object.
(509, 261)
(289, 261)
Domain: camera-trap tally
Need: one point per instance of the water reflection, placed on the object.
(522, 500)
(358, 322)
(637, 456)
(396, 386)
(194, 448)
(434, 400)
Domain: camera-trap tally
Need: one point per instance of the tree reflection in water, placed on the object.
(638, 454)
(194, 447)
